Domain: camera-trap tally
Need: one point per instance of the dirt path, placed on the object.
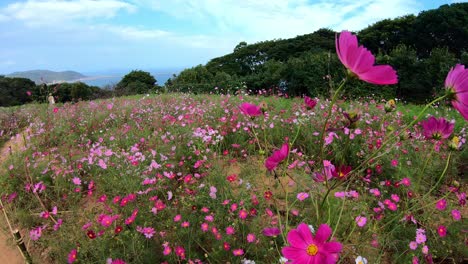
(9, 253)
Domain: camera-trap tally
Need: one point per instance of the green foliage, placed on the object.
(13, 91)
(421, 48)
(136, 82)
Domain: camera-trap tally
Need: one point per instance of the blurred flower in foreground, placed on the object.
(360, 62)
(456, 84)
(250, 109)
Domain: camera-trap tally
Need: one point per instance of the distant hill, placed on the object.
(46, 76)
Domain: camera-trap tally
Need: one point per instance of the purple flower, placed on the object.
(250, 109)
(277, 157)
(437, 128)
(271, 231)
(456, 84)
(360, 62)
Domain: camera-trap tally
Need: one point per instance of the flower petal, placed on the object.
(323, 233)
(296, 239)
(293, 253)
(381, 74)
(304, 230)
(333, 247)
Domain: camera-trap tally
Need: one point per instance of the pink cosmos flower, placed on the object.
(420, 236)
(361, 221)
(148, 232)
(271, 231)
(305, 248)
(413, 245)
(72, 256)
(441, 204)
(115, 261)
(302, 196)
(250, 238)
(327, 172)
(406, 182)
(36, 233)
(360, 62)
(442, 231)
(277, 157)
(309, 102)
(238, 252)
(456, 84)
(243, 214)
(456, 215)
(180, 251)
(437, 128)
(250, 109)
(341, 172)
(230, 230)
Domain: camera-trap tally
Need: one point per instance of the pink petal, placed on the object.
(323, 233)
(306, 235)
(381, 74)
(333, 247)
(293, 253)
(284, 151)
(361, 60)
(296, 239)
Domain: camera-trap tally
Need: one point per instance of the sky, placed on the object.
(105, 35)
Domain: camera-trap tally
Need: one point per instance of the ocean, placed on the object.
(111, 78)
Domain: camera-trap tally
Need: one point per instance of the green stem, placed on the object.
(425, 165)
(425, 195)
(396, 135)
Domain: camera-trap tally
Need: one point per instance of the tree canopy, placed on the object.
(422, 49)
(136, 82)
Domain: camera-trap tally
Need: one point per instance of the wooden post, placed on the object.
(22, 247)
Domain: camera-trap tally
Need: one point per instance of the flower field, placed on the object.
(179, 178)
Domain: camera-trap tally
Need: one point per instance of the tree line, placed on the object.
(421, 48)
(17, 91)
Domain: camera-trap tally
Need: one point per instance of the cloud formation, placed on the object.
(95, 33)
(40, 13)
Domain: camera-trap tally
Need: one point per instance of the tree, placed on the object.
(136, 82)
(14, 91)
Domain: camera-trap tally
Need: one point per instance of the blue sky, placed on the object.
(101, 35)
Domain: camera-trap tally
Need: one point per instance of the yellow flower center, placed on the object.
(360, 262)
(312, 250)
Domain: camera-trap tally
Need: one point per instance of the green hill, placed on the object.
(46, 76)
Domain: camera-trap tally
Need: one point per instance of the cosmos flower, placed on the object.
(437, 128)
(309, 102)
(250, 109)
(72, 256)
(456, 84)
(277, 157)
(360, 62)
(306, 248)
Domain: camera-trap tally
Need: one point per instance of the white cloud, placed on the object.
(135, 33)
(268, 19)
(54, 12)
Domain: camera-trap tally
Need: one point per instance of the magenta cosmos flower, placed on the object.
(457, 85)
(437, 128)
(250, 109)
(277, 157)
(360, 62)
(309, 102)
(305, 248)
